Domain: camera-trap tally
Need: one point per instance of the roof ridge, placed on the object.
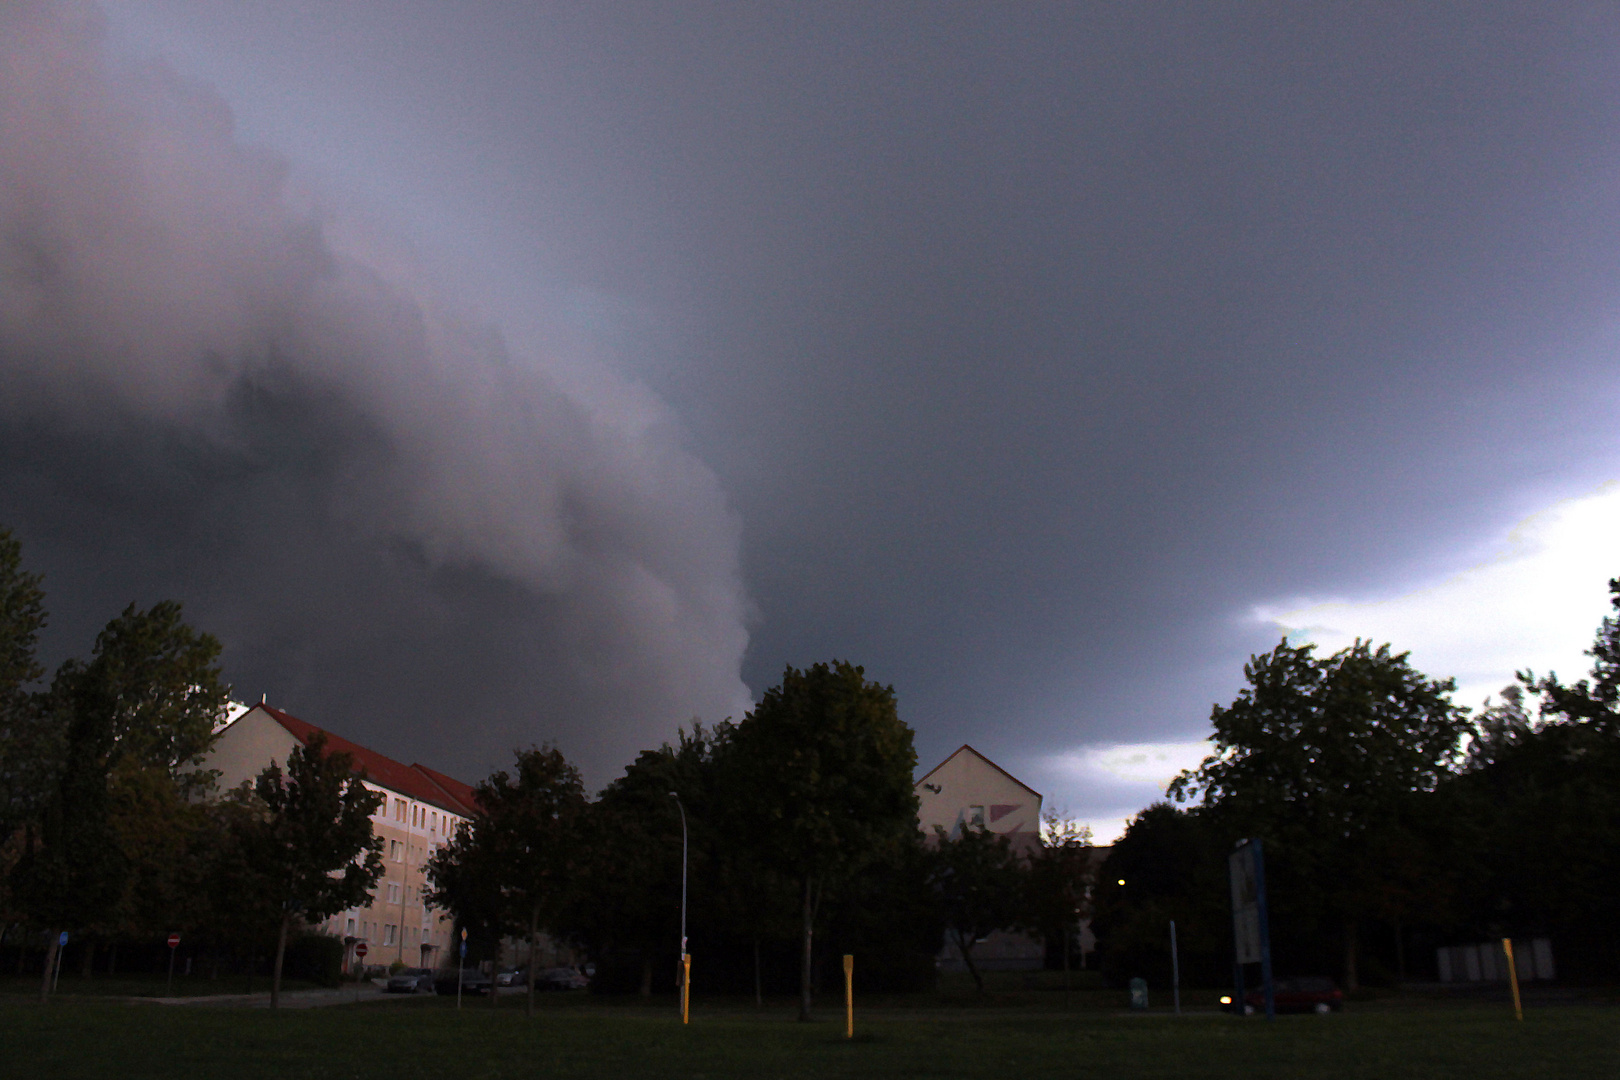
(982, 757)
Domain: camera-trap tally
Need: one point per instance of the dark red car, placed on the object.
(1309, 994)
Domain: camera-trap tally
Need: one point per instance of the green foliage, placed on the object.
(313, 845)
(825, 764)
(1062, 875)
(30, 748)
(312, 849)
(981, 886)
(315, 957)
(151, 693)
(530, 824)
(1595, 700)
(1329, 760)
(628, 907)
(1169, 864)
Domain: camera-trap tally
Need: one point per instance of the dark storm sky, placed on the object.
(1014, 351)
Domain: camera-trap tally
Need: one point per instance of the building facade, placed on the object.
(421, 810)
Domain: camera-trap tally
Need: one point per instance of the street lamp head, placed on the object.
(674, 795)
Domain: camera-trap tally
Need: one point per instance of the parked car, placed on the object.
(411, 981)
(560, 978)
(473, 981)
(512, 977)
(1312, 993)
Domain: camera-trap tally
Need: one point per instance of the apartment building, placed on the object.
(422, 808)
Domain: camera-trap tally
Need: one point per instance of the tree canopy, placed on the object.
(826, 765)
(313, 847)
(1323, 758)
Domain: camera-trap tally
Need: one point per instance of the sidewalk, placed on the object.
(292, 999)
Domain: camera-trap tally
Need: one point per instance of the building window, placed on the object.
(399, 809)
(433, 823)
(388, 934)
(350, 931)
(396, 851)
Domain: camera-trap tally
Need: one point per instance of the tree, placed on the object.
(1324, 758)
(464, 878)
(30, 749)
(312, 846)
(1594, 701)
(146, 701)
(826, 765)
(981, 885)
(1060, 881)
(1169, 864)
(628, 905)
(531, 822)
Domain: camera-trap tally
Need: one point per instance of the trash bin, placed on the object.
(1139, 999)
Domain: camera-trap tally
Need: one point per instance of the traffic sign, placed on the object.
(62, 940)
(174, 939)
(360, 950)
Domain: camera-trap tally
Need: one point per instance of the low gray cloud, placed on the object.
(399, 528)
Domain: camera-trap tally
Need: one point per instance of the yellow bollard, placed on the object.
(686, 988)
(1513, 978)
(849, 996)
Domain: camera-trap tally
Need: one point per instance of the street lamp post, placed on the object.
(685, 970)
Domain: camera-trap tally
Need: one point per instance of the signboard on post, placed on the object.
(1245, 904)
(1251, 936)
(174, 942)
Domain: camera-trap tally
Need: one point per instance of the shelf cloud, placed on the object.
(399, 528)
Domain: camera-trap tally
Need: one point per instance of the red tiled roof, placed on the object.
(458, 792)
(416, 781)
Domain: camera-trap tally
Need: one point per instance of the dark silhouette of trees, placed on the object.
(826, 764)
(1330, 760)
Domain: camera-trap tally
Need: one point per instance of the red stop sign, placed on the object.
(360, 950)
(174, 939)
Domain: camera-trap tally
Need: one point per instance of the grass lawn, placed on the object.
(143, 984)
(575, 1036)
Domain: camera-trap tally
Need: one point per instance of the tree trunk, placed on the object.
(964, 944)
(1352, 981)
(50, 965)
(281, 951)
(646, 974)
(534, 930)
(804, 960)
(1400, 955)
(1065, 967)
(494, 970)
(759, 993)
